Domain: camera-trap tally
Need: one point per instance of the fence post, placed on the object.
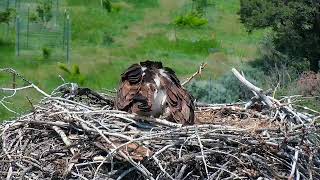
(64, 29)
(68, 37)
(210, 89)
(17, 36)
(28, 26)
(14, 81)
(57, 13)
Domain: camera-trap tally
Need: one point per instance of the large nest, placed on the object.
(74, 133)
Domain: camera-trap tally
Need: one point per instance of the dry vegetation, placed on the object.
(74, 133)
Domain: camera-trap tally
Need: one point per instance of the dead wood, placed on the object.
(74, 133)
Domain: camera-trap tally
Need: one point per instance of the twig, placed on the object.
(294, 164)
(202, 153)
(126, 172)
(161, 168)
(64, 138)
(202, 66)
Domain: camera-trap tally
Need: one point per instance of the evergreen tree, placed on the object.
(296, 26)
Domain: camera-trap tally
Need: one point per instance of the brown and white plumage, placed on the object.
(149, 89)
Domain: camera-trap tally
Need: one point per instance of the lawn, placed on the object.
(104, 44)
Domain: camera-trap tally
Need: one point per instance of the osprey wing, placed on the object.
(129, 86)
(179, 101)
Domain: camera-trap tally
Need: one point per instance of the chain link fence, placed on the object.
(4, 27)
(42, 28)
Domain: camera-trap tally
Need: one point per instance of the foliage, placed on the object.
(296, 25)
(73, 73)
(107, 39)
(226, 89)
(192, 19)
(200, 5)
(7, 15)
(106, 4)
(46, 53)
(271, 58)
(44, 11)
(309, 84)
(143, 3)
(103, 64)
(33, 17)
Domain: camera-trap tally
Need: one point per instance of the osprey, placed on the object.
(149, 89)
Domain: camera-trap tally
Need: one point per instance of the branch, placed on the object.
(253, 88)
(202, 66)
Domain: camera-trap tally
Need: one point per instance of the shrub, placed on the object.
(44, 11)
(73, 73)
(226, 89)
(200, 5)
(106, 4)
(271, 58)
(46, 53)
(309, 84)
(192, 19)
(7, 15)
(107, 39)
(33, 17)
(116, 7)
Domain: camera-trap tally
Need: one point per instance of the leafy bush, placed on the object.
(33, 17)
(44, 11)
(200, 5)
(114, 6)
(227, 88)
(295, 26)
(118, 6)
(192, 19)
(271, 58)
(46, 53)
(73, 73)
(309, 84)
(106, 4)
(107, 39)
(7, 15)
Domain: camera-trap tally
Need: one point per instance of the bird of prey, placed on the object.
(149, 89)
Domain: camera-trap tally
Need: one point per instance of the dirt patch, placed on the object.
(240, 118)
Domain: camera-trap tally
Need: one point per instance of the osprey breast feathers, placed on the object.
(149, 89)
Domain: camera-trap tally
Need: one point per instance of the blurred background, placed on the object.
(276, 44)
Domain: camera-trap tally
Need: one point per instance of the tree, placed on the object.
(7, 15)
(44, 11)
(296, 26)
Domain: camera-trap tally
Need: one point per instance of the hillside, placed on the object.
(104, 44)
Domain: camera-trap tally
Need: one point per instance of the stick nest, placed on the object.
(76, 134)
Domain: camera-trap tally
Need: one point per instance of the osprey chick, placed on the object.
(149, 89)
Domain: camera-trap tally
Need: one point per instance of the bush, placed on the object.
(106, 4)
(73, 73)
(107, 39)
(200, 5)
(46, 53)
(226, 89)
(33, 17)
(271, 58)
(192, 19)
(309, 84)
(44, 11)
(7, 15)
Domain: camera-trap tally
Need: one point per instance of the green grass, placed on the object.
(104, 44)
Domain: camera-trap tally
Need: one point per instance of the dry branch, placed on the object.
(201, 67)
(74, 133)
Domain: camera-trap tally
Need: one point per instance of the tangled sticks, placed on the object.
(73, 133)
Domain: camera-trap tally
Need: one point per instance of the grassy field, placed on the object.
(104, 44)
